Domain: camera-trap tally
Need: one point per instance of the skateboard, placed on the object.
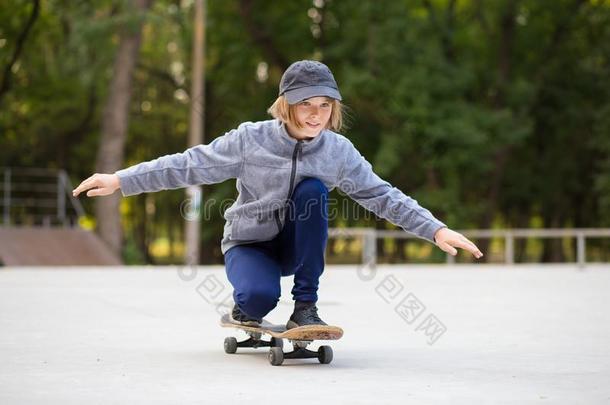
(300, 338)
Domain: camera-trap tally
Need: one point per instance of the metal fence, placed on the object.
(37, 196)
(370, 236)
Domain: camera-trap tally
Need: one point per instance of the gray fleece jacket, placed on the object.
(267, 163)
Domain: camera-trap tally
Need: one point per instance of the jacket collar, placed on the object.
(283, 132)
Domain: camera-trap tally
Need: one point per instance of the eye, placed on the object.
(325, 105)
(305, 103)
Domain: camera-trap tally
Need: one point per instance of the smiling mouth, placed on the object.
(312, 125)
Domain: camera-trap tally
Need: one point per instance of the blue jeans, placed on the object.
(255, 269)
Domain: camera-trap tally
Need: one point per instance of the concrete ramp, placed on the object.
(38, 246)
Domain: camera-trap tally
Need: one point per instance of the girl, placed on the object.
(284, 168)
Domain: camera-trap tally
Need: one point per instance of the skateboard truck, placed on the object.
(255, 341)
(299, 337)
(276, 353)
(300, 351)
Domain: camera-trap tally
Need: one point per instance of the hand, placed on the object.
(98, 185)
(448, 240)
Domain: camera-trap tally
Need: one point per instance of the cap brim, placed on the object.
(298, 95)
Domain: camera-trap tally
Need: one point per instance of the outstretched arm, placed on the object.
(358, 181)
(220, 160)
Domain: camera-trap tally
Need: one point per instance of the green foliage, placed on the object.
(490, 112)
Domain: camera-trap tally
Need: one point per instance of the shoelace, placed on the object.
(313, 313)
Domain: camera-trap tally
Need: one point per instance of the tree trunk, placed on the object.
(115, 121)
(196, 135)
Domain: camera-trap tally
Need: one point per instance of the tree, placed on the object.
(110, 157)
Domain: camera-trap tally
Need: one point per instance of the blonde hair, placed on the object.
(285, 112)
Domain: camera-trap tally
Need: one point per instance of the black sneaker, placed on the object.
(305, 313)
(240, 318)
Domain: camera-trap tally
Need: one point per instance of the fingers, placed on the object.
(81, 187)
(97, 192)
(472, 248)
(469, 246)
(87, 184)
(448, 248)
(461, 242)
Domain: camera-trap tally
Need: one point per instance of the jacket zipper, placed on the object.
(295, 153)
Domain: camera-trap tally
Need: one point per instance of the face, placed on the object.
(312, 115)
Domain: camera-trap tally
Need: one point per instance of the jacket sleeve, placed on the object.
(203, 164)
(359, 182)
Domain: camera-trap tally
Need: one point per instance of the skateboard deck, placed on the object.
(300, 337)
(310, 332)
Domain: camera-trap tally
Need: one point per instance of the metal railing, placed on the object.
(369, 237)
(37, 196)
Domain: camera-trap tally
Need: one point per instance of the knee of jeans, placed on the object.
(258, 302)
(310, 188)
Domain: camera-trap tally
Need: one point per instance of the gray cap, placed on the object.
(308, 78)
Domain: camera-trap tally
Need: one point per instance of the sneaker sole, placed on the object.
(252, 324)
(293, 324)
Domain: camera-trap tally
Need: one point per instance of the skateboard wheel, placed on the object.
(276, 356)
(277, 342)
(325, 354)
(230, 345)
